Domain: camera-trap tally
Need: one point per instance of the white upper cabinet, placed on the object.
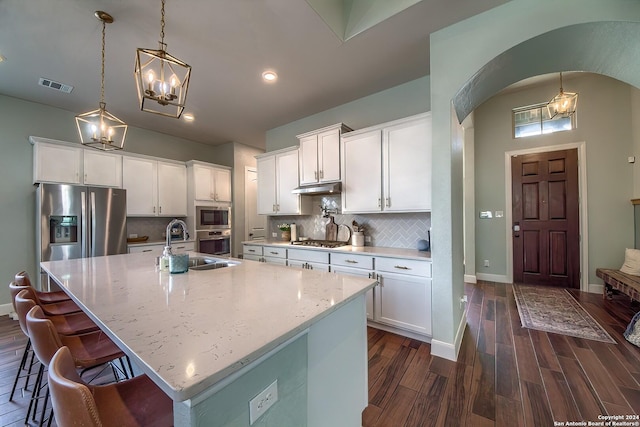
(406, 157)
(210, 183)
(70, 163)
(361, 186)
(387, 168)
(277, 177)
(172, 189)
(57, 163)
(154, 188)
(102, 168)
(320, 154)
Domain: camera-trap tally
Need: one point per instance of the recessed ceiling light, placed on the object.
(269, 76)
(2, 58)
(188, 117)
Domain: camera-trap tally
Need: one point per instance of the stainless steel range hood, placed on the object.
(329, 188)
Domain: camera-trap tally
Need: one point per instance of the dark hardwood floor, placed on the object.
(505, 375)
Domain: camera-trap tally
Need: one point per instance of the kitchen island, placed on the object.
(213, 340)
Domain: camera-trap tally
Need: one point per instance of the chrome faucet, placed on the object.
(185, 233)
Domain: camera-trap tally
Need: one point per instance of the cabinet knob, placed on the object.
(401, 267)
(251, 250)
(321, 174)
(379, 202)
(273, 253)
(315, 175)
(154, 209)
(388, 202)
(350, 261)
(160, 209)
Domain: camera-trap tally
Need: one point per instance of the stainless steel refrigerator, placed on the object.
(79, 222)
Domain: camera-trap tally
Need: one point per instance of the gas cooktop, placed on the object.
(320, 243)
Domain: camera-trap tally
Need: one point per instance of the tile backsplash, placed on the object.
(148, 226)
(393, 230)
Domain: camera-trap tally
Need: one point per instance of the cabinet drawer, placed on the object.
(351, 260)
(252, 250)
(183, 247)
(274, 260)
(311, 256)
(274, 252)
(404, 266)
(156, 249)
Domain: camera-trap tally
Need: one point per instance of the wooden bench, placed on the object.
(628, 284)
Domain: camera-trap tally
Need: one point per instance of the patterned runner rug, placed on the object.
(555, 310)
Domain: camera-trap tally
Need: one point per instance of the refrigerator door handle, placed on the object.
(93, 225)
(83, 213)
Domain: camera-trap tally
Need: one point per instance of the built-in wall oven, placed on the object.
(214, 242)
(213, 217)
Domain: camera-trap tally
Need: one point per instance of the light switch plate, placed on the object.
(263, 401)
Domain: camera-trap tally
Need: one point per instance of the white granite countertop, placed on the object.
(365, 250)
(188, 331)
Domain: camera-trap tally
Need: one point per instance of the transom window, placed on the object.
(534, 120)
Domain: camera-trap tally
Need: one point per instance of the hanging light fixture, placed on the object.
(99, 128)
(162, 80)
(563, 104)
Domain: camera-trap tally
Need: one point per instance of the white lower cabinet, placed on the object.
(308, 259)
(252, 252)
(274, 255)
(355, 265)
(403, 296)
(351, 271)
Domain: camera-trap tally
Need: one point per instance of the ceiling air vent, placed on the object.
(55, 85)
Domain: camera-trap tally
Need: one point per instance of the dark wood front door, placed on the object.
(546, 240)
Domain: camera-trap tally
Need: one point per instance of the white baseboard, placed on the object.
(6, 309)
(470, 278)
(401, 332)
(450, 351)
(499, 278)
(595, 288)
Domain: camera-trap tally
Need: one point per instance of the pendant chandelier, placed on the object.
(563, 104)
(162, 80)
(99, 128)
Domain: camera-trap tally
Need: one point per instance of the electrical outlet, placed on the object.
(367, 239)
(263, 401)
(133, 236)
(486, 263)
(274, 234)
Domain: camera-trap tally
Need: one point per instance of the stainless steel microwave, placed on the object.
(213, 217)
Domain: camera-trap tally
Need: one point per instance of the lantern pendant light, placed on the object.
(563, 104)
(162, 80)
(99, 128)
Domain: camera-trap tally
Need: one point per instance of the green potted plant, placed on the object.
(286, 231)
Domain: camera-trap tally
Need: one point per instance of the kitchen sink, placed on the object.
(209, 263)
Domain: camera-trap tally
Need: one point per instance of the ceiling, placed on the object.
(229, 43)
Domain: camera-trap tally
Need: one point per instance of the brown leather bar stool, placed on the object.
(22, 279)
(51, 309)
(71, 324)
(134, 402)
(88, 350)
(68, 324)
